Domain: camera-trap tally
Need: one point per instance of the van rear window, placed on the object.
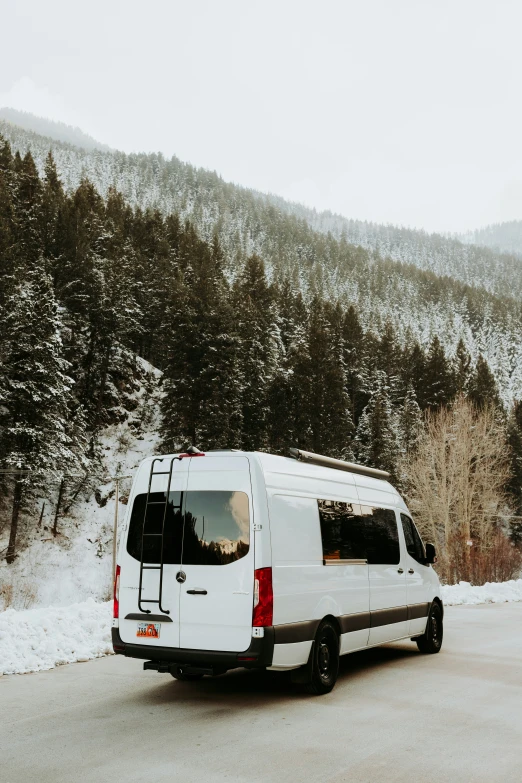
(351, 531)
(201, 527)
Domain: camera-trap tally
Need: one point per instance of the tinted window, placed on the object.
(382, 535)
(414, 543)
(153, 524)
(341, 531)
(217, 528)
(214, 528)
(351, 531)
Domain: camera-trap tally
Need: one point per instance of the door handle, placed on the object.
(197, 592)
(400, 570)
(411, 571)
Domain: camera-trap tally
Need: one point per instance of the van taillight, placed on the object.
(263, 598)
(116, 609)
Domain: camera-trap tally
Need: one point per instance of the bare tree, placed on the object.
(456, 488)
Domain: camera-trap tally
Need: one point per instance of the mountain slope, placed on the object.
(506, 237)
(486, 258)
(58, 131)
(426, 285)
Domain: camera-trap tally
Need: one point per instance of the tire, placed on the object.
(325, 660)
(182, 677)
(431, 641)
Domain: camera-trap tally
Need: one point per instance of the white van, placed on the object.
(243, 559)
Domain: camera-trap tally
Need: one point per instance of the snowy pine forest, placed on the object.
(145, 300)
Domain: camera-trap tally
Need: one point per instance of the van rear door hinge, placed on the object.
(258, 527)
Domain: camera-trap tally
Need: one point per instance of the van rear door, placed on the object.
(216, 595)
(162, 627)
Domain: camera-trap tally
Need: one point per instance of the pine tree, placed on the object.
(439, 376)
(410, 422)
(201, 405)
(482, 386)
(330, 418)
(354, 363)
(462, 364)
(414, 372)
(376, 439)
(36, 432)
(27, 202)
(260, 350)
(50, 211)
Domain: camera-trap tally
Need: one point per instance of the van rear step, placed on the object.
(167, 667)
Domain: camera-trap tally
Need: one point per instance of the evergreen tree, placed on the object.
(482, 386)
(376, 439)
(260, 350)
(354, 363)
(202, 378)
(439, 380)
(36, 433)
(330, 418)
(414, 373)
(462, 368)
(410, 422)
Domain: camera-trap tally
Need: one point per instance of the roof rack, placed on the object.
(338, 464)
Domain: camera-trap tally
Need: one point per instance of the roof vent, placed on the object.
(338, 464)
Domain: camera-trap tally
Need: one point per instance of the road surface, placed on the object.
(395, 715)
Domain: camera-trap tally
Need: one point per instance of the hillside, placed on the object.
(428, 297)
(486, 258)
(58, 131)
(505, 237)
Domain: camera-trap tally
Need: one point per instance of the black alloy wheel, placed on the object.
(431, 641)
(325, 660)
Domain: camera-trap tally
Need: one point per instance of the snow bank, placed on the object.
(37, 639)
(490, 593)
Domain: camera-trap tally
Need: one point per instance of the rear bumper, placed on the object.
(259, 654)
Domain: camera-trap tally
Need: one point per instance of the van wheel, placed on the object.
(431, 641)
(325, 660)
(180, 675)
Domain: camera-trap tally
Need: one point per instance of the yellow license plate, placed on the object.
(148, 630)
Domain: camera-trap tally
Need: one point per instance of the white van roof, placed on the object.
(289, 473)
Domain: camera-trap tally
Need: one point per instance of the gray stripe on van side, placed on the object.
(378, 617)
(291, 633)
(416, 611)
(354, 622)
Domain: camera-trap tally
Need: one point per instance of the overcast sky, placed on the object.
(400, 111)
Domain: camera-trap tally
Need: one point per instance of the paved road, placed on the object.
(395, 715)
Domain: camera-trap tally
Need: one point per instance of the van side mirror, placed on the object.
(431, 556)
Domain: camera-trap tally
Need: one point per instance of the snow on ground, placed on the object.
(77, 564)
(490, 593)
(37, 639)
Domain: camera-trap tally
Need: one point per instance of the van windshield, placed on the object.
(201, 527)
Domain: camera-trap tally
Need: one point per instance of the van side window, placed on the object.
(353, 531)
(414, 544)
(382, 535)
(341, 531)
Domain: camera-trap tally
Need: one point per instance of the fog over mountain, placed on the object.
(58, 131)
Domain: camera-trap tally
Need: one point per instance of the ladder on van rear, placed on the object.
(161, 535)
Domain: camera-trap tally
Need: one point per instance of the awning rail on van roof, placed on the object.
(338, 464)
